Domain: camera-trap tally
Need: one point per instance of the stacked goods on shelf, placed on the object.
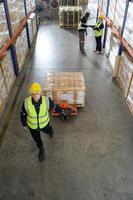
(8, 70)
(119, 14)
(103, 5)
(54, 9)
(112, 8)
(4, 34)
(108, 42)
(33, 23)
(69, 2)
(130, 97)
(3, 92)
(125, 71)
(30, 4)
(13, 12)
(113, 52)
(66, 86)
(21, 48)
(21, 10)
(69, 16)
(128, 30)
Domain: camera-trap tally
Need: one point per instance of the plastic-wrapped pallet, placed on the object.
(108, 42)
(112, 8)
(8, 70)
(69, 2)
(30, 30)
(113, 51)
(4, 34)
(103, 4)
(30, 4)
(3, 92)
(69, 16)
(13, 12)
(119, 14)
(21, 48)
(128, 30)
(130, 97)
(21, 9)
(33, 21)
(66, 86)
(125, 72)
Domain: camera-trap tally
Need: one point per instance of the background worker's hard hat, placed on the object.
(101, 16)
(35, 88)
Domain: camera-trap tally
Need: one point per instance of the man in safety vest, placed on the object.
(82, 29)
(98, 33)
(35, 115)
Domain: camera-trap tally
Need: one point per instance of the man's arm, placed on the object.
(54, 106)
(23, 114)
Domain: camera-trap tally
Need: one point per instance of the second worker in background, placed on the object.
(82, 29)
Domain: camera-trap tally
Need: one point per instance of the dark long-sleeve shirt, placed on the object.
(23, 112)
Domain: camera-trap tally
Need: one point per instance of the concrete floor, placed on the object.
(91, 155)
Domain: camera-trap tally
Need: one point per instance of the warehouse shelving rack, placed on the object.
(122, 41)
(10, 43)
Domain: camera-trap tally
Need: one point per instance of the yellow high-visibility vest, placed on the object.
(98, 33)
(35, 120)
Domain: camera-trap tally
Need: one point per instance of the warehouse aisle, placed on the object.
(91, 155)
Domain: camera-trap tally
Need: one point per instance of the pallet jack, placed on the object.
(67, 110)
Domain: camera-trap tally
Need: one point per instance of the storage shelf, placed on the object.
(15, 35)
(117, 33)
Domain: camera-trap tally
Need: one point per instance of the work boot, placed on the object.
(41, 155)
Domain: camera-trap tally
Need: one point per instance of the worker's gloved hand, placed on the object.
(25, 127)
(64, 113)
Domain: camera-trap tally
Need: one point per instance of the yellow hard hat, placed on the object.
(35, 88)
(101, 16)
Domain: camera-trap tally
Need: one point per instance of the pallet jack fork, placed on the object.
(67, 110)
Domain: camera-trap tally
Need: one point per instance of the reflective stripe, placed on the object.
(39, 123)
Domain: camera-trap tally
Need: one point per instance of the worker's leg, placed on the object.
(37, 138)
(48, 130)
(81, 41)
(96, 43)
(99, 44)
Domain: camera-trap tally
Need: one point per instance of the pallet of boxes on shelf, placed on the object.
(3, 92)
(13, 12)
(103, 4)
(119, 14)
(128, 30)
(130, 97)
(21, 48)
(33, 27)
(113, 51)
(8, 70)
(125, 71)
(30, 4)
(4, 34)
(69, 2)
(69, 16)
(112, 9)
(66, 86)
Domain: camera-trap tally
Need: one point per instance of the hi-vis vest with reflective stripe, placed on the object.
(98, 33)
(80, 27)
(41, 120)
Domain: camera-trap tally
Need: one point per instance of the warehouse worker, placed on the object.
(35, 115)
(98, 33)
(82, 28)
